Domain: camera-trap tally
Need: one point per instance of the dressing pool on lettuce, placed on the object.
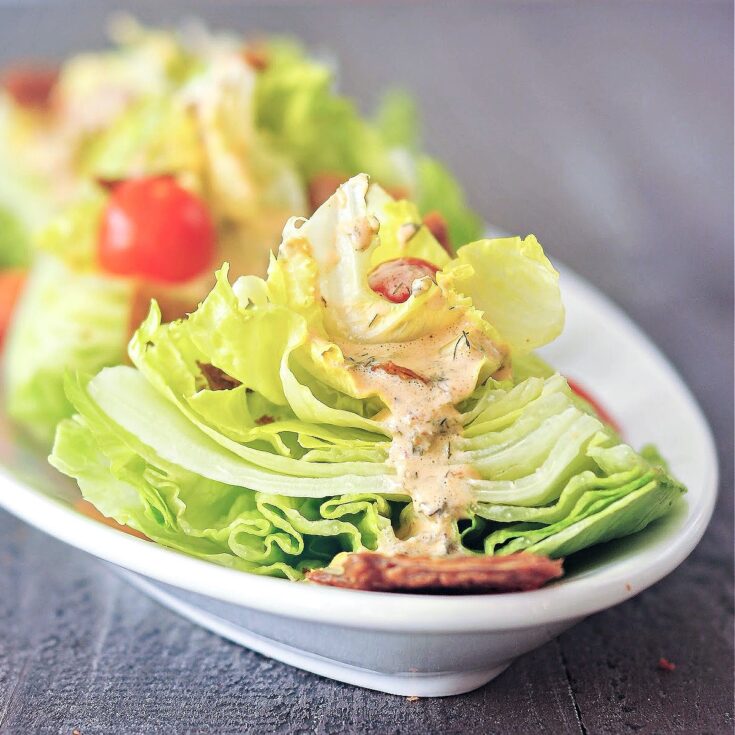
(373, 399)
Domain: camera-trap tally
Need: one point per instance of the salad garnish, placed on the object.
(309, 426)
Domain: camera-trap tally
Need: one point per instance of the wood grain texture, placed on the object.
(621, 163)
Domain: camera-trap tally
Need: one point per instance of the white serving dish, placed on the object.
(410, 644)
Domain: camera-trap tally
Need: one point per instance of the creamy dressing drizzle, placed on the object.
(423, 422)
(442, 370)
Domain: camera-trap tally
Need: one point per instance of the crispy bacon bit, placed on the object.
(264, 419)
(438, 227)
(30, 85)
(109, 184)
(217, 379)
(397, 192)
(665, 665)
(85, 507)
(322, 186)
(172, 307)
(402, 372)
(379, 573)
(256, 56)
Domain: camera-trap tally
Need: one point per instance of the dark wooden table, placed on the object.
(606, 129)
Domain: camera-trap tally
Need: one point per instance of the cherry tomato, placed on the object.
(599, 409)
(11, 283)
(153, 227)
(393, 279)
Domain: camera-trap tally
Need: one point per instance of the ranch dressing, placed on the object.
(421, 382)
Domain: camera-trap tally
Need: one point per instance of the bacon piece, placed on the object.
(256, 56)
(264, 420)
(217, 379)
(380, 573)
(322, 186)
(172, 307)
(438, 227)
(402, 372)
(108, 185)
(85, 507)
(398, 192)
(30, 84)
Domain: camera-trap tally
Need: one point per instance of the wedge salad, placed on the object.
(135, 172)
(371, 415)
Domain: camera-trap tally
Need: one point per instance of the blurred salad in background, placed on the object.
(134, 172)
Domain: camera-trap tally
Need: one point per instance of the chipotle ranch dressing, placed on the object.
(423, 422)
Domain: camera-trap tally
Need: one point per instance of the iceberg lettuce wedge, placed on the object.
(287, 421)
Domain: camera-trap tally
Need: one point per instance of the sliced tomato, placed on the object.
(599, 408)
(154, 228)
(11, 284)
(393, 279)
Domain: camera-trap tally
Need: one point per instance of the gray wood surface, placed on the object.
(606, 129)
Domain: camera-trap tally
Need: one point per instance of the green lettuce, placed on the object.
(244, 435)
(25, 201)
(525, 307)
(71, 235)
(14, 240)
(321, 131)
(64, 321)
(259, 532)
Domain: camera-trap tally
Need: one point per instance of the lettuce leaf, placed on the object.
(226, 524)
(64, 321)
(71, 235)
(515, 285)
(25, 199)
(323, 132)
(320, 131)
(14, 240)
